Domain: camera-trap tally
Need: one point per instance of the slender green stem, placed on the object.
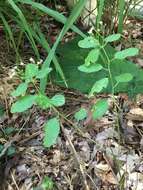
(109, 69)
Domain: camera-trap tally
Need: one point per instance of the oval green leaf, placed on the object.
(92, 57)
(23, 104)
(88, 42)
(51, 132)
(125, 77)
(126, 53)
(31, 71)
(20, 90)
(99, 109)
(112, 38)
(90, 69)
(81, 114)
(98, 86)
(58, 100)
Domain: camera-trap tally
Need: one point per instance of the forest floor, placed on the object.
(88, 155)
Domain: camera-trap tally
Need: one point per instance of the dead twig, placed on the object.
(77, 159)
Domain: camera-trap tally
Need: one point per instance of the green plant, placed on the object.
(47, 184)
(26, 100)
(91, 65)
(24, 14)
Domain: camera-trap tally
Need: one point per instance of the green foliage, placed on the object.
(58, 100)
(30, 72)
(20, 90)
(26, 100)
(90, 69)
(75, 57)
(126, 53)
(72, 18)
(112, 38)
(126, 77)
(103, 72)
(9, 152)
(99, 86)
(99, 109)
(51, 131)
(88, 42)
(47, 184)
(2, 110)
(26, 15)
(43, 101)
(81, 114)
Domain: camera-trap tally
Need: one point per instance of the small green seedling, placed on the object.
(47, 184)
(26, 100)
(81, 114)
(91, 65)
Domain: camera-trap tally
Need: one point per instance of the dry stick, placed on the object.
(14, 182)
(77, 158)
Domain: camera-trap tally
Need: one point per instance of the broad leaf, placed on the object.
(126, 53)
(92, 57)
(88, 42)
(112, 38)
(99, 109)
(43, 101)
(58, 100)
(75, 56)
(43, 72)
(51, 132)
(126, 77)
(90, 69)
(20, 90)
(31, 71)
(81, 114)
(98, 86)
(23, 104)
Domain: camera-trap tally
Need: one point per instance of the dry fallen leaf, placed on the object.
(135, 114)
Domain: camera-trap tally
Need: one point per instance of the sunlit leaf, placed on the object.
(125, 77)
(58, 100)
(112, 38)
(31, 71)
(92, 57)
(51, 132)
(43, 101)
(20, 90)
(126, 53)
(81, 114)
(23, 104)
(88, 42)
(98, 86)
(99, 109)
(47, 184)
(90, 69)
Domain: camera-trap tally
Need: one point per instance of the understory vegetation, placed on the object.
(71, 104)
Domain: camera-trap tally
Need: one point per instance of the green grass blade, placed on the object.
(9, 31)
(42, 40)
(56, 15)
(100, 12)
(25, 25)
(72, 18)
(121, 8)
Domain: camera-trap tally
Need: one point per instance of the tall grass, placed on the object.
(16, 11)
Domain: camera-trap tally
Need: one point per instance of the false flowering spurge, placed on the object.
(92, 65)
(26, 100)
